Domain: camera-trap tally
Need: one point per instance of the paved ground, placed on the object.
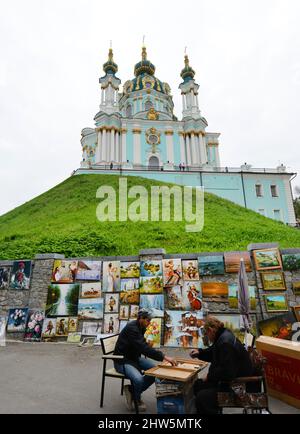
(65, 378)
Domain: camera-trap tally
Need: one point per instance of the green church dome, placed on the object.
(110, 67)
(187, 73)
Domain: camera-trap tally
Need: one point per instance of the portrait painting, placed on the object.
(62, 326)
(192, 295)
(190, 269)
(111, 276)
(72, 324)
(134, 310)
(111, 323)
(64, 271)
(49, 328)
(111, 302)
(172, 272)
(124, 312)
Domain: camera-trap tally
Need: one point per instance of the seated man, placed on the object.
(229, 359)
(131, 344)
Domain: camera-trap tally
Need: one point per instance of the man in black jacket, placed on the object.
(229, 359)
(131, 344)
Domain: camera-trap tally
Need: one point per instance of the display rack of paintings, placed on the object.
(183, 329)
(296, 288)
(4, 277)
(278, 326)
(276, 302)
(233, 259)
(90, 290)
(20, 275)
(111, 323)
(267, 259)
(62, 300)
(211, 265)
(190, 269)
(111, 276)
(291, 261)
(273, 281)
(16, 321)
(130, 270)
(90, 308)
(172, 272)
(64, 271)
(34, 325)
(89, 270)
(215, 291)
(153, 333)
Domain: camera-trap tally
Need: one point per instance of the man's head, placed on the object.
(144, 317)
(211, 327)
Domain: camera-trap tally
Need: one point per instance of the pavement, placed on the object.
(61, 378)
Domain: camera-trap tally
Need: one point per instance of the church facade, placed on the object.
(137, 134)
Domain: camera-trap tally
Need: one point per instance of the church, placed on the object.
(137, 134)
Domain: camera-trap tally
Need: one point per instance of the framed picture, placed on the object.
(4, 277)
(267, 259)
(16, 320)
(296, 287)
(233, 296)
(20, 275)
(34, 326)
(211, 265)
(190, 269)
(279, 326)
(273, 281)
(276, 302)
(291, 262)
(233, 259)
(215, 291)
(296, 310)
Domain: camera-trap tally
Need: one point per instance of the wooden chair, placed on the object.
(108, 345)
(248, 393)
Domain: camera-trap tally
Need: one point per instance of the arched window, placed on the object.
(148, 105)
(129, 111)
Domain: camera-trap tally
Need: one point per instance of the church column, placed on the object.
(117, 154)
(123, 149)
(108, 146)
(183, 102)
(188, 151)
(99, 147)
(170, 146)
(112, 145)
(203, 154)
(194, 150)
(137, 146)
(104, 146)
(182, 148)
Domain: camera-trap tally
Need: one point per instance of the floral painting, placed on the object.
(88, 270)
(172, 272)
(190, 269)
(153, 333)
(62, 300)
(34, 326)
(111, 276)
(130, 269)
(64, 271)
(20, 275)
(16, 321)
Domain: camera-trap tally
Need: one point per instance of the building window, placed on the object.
(277, 214)
(274, 190)
(148, 105)
(262, 211)
(258, 189)
(129, 111)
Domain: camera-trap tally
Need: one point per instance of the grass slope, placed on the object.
(63, 220)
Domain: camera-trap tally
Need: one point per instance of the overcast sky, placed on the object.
(246, 54)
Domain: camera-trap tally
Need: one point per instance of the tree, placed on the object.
(296, 202)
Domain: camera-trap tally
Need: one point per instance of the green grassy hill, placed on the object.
(63, 220)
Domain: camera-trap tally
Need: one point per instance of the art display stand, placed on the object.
(282, 368)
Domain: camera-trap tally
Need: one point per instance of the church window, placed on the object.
(258, 189)
(274, 191)
(148, 105)
(129, 111)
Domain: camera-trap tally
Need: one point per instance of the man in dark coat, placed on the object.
(131, 344)
(229, 359)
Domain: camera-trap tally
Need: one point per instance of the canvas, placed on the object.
(233, 323)
(111, 276)
(111, 323)
(291, 262)
(90, 290)
(233, 296)
(278, 326)
(62, 300)
(90, 308)
(267, 259)
(172, 272)
(151, 268)
(130, 297)
(64, 271)
(74, 337)
(150, 285)
(20, 275)
(133, 312)
(34, 326)
(124, 312)
(111, 303)
(183, 329)
(273, 281)
(90, 328)
(49, 328)
(233, 259)
(296, 288)
(192, 295)
(72, 324)
(153, 302)
(176, 298)
(190, 269)
(88, 270)
(62, 326)
(16, 320)
(276, 302)
(4, 277)
(211, 265)
(130, 269)
(153, 333)
(215, 291)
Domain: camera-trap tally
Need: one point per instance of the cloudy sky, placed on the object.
(246, 54)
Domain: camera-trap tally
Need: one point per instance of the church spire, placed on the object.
(110, 67)
(187, 73)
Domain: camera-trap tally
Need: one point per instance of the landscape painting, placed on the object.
(215, 291)
(211, 265)
(4, 277)
(34, 326)
(130, 297)
(233, 296)
(183, 329)
(150, 285)
(90, 290)
(16, 320)
(91, 328)
(49, 328)
(276, 302)
(153, 302)
(172, 272)
(151, 268)
(130, 270)
(62, 300)
(129, 284)
(291, 262)
(192, 295)
(90, 308)
(296, 288)
(111, 276)
(267, 259)
(233, 260)
(88, 270)
(233, 323)
(111, 323)
(279, 326)
(190, 269)
(20, 275)
(111, 303)
(64, 271)
(153, 333)
(273, 281)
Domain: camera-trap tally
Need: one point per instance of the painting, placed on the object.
(151, 268)
(90, 290)
(153, 302)
(62, 300)
(233, 323)
(273, 281)
(150, 285)
(72, 324)
(123, 323)
(291, 262)
(91, 328)
(183, 329)
(89, 270)
(190, 269)
(276, 302)
(111, 303)
(233, 259)
(296, 288)
(267, 259)
(129, 284)
(16, 320)
(62, 326)
(34, 326)
(296, 310)
(64, 271)
(111, 323)
(215, 291)
(130, 270)
(2, 330)
(124, 312)
(172, 272)
(111, 276)
(74, 337)
(49, 328)
(20, 275)
(130, 297)
(175, 298)
(233, 296)
(153, 333)
(279, 326)
(134, 310)
(192, 295)
(211, 265)
(90, 308)
(4, 277)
